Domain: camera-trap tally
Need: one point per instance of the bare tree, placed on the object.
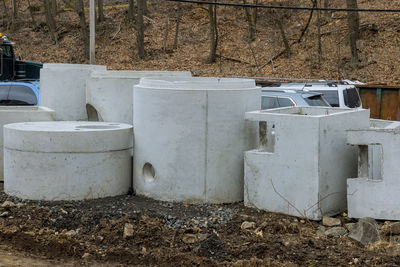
(100, 17)
(54, 7)
(326, 13)
(319, 32)
(251, 16)
(82, 22)
(354, 25)
(279, 21)
(51, 23)
(14, 9)
(178, 21)
(131, 10)
(30, 8)
(212, 15)
(140, 28)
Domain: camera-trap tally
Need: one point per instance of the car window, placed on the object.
(285, 102)
(268, 102)
(351, 98)
(4, 88)
(315, 100)
(332, 96)
(21, 95)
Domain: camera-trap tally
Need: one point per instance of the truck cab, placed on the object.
(12, 69)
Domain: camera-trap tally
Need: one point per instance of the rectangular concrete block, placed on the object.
(302, 162)
(375, 191)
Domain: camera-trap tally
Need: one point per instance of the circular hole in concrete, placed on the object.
(148, 172)
(97, 127)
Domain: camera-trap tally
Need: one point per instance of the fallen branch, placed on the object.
(233, 59)
(119, 29)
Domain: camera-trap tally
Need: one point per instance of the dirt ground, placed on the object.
(92, 233)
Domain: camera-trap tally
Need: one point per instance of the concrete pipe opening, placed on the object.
(148, 172)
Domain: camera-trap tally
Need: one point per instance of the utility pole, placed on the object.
(92, 27)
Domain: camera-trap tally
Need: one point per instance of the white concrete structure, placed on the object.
(190, 135)
(11, 114)
(376, 191)
(67, 160)
(109, 94)
(63, 88)
(302, 163)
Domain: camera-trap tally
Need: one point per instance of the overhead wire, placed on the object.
(373, 10)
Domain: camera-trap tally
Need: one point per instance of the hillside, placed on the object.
(116, 43)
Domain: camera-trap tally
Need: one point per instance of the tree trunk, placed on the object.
(319, 32)
(50, 21)
(178, 21)
(354, 25)
(250, 21)
(166, 34)
(326, 13)
(14, 9)
(31, 13)
(100, 17)
(212, 14)
(84, 31)
(282, 30)
(54, 7)
(140, 28)
(131, 10)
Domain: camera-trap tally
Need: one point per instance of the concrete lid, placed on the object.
(134, 74)
(73, 66)
(25, 109)
(197, 83)
(68, 136)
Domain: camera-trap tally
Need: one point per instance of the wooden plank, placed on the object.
(371, 100)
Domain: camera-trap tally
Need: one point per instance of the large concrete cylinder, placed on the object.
(67, 160)
(13, 114)
(190, 135)
(109, 94)
(63, 88)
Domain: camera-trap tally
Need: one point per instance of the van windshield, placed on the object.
(332, 96)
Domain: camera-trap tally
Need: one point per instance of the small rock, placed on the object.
(329, 221)
(336, 231)
(128, 230)
(321, 230)
(365, 231)
(86, 256)
(71, 233)
(63, 211)
(389, 228)
(19, 205)
(193, 238)
(4, 214)
(350, 226)
(247, 225)
(7, 204)
(302, 221)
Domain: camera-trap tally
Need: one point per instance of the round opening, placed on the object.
(96, 127)
(148, 172)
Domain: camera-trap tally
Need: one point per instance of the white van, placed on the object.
(337, 94)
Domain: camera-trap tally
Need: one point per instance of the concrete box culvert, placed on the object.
(109, 94)
(190, 135)
(303, 160)
(375, 191)
(12, 114)
(63, 88)
(67, 160)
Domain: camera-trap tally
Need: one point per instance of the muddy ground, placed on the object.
(161, 233)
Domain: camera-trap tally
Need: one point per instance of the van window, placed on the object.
(268, 102)
(332, 96)
(285, 102)
(316, 100)
(351, 98)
